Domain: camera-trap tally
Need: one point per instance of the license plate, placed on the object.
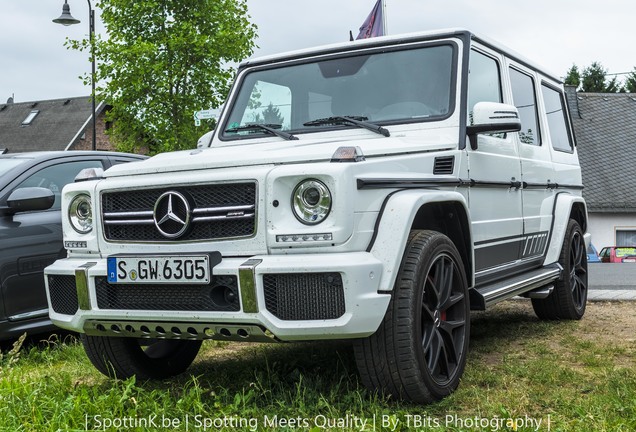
(159, 269)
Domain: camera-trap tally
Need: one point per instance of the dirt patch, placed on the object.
(226, 350)
(609, 322)
(606, 334)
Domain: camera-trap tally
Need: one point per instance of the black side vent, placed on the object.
(444, 165)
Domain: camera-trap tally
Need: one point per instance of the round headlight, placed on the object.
(311, 202)
(80, 214)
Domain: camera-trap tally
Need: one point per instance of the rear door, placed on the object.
(536, 165)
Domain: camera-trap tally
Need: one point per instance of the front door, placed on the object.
(33, 240)
(495, 196)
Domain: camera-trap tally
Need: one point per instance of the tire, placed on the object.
(118, 357)
(569, 298)
(419, 351)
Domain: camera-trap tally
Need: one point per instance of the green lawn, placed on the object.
(578, 376)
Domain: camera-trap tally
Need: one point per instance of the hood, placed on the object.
(277, 153)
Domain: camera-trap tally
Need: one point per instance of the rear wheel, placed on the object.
(419, 351)
(119, 357)
(569, 298)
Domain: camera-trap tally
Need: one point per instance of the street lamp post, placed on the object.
(67, 19)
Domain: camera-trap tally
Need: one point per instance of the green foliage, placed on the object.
(573, 77)
(593, 78)
(12, 357)
(630, 82)
(613, 86)
(576, 374)
(163, 60)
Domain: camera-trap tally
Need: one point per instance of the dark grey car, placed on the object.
(31, 233)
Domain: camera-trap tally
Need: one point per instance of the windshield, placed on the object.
(412, 85)
(7, 163)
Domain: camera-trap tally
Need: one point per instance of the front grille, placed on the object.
(63, 294)
(218, 211)
(304, 296)
(221, 295)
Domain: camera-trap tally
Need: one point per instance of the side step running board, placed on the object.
(488, 295)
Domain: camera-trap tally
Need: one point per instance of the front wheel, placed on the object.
(569, 298)
(119, 357)
(419, 351)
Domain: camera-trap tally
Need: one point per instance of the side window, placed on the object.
(55, 177)
(484, 81)
(557, 123)
(524, 98)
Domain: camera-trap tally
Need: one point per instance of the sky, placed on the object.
(35, 65)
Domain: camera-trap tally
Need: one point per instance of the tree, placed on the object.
(593, 78)
(613, 86)
(271, 115)
(573, 77)
(163, 60)
(630, 82)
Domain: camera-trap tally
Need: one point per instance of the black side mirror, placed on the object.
(29, 199)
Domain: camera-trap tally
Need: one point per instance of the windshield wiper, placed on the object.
(359, 121)
(271, 128)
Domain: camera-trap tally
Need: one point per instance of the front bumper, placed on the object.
(352, 306)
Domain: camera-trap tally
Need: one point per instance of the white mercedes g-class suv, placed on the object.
(376, 190)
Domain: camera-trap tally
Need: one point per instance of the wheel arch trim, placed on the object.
(400, 210)
(566, 207)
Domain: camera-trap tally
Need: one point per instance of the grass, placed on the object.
(580, 376)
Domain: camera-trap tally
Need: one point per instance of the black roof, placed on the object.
(56, 125)
(47, 155)
(31, 159)
(605, 128)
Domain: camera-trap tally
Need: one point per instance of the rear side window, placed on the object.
(524, 98)
(557, 122)
(622, 252)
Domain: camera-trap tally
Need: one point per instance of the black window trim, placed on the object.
(481, 51)
(40, 165)
(566, 114)
(397, 46)
(536, 102)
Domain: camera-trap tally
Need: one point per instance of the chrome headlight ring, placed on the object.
(311, 201)
(80, 214)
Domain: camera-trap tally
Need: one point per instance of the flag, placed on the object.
(374, 24)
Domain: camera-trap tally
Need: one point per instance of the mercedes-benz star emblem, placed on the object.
(172, 214)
